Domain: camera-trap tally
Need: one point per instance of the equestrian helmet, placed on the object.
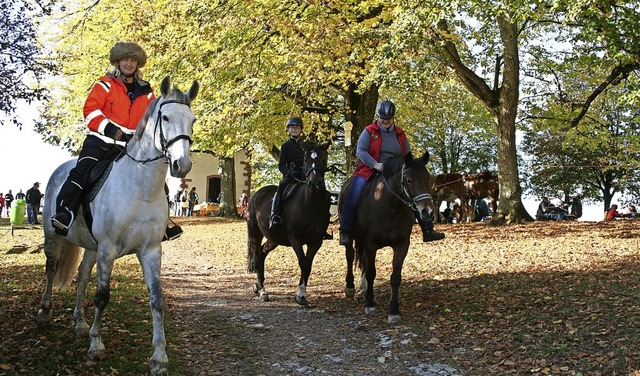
(386, 110)
(295, 121)
(131, 50)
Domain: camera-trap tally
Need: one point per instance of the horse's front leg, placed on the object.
(350, 288)
(151, 265)
(370, 276)
(52, 249)
(84, 273)
(399, 254)
(305, 263)
(103, 293)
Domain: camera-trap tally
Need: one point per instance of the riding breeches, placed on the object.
(350, 204)
(70, 195)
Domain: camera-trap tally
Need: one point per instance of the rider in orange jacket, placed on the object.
(112, 111)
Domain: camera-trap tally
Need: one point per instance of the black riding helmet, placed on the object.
(295, 121)
(386, 110)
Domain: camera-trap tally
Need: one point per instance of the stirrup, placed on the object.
(275, 221)
(62, 221)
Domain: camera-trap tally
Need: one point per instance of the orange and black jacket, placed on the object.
(108, 107)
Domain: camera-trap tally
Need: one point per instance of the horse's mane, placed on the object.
(175, 95)
(392, 165)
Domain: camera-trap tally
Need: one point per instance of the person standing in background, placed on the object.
(33, 204)
(8, 199)
(1, 203)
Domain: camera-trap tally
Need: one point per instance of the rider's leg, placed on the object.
(275, 219)
(428, 233)
(70, 194)
(348, 210)
(171, 232)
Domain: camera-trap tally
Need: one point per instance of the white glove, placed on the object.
(378, 166)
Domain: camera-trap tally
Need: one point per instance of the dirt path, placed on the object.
(225, 330)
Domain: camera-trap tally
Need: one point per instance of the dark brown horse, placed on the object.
(385, 216)
(448, 187)
(305, 213)
(482, 185)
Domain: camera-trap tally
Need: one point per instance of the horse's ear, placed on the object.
(193, 90)
(408, 158)
(425, 157)
(165, 86)
(326, 146)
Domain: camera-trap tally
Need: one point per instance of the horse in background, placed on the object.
(479, 186)
(161, 141)
(385, 217)
(305, 212)
(448, 187)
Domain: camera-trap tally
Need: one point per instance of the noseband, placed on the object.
(165, 144)
(410, 202)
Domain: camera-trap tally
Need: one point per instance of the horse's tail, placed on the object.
(359, 256)
(251, 257)
(66, 256)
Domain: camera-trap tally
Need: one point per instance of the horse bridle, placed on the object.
(412, 201)
(164, 143)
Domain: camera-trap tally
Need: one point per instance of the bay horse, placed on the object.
(385, 217)
(479, 186)
(305, 212)
(448, 187)
(161, 141)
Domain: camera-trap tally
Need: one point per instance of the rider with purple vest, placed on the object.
(378, 142)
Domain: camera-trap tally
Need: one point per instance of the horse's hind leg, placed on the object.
(52, 249)
(370, 275)
(151, 265)
(350, 288)
(259, 264)
(84, 273)
(61, 257)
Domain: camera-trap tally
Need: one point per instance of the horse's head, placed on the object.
(415, 182)
(315, 164)
(169, 124)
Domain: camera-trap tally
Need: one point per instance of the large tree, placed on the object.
(22, 61)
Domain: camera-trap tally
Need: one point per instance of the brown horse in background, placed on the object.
(481, 185)
(448, 187)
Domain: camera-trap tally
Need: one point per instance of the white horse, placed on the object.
(163, 136)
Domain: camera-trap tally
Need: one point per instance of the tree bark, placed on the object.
(361, 109)
(227, 189)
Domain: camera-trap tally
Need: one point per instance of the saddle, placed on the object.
(94, 179)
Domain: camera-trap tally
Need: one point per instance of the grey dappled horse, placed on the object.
(162, 140)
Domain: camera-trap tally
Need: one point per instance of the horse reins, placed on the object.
(163, 141)
(405, 190)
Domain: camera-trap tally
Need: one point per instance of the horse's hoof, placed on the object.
(43, 319)
(96, 355)
(302, 300)
(256, 289)
(393, 319)
(82, 330)
(264, 297)
(350, 292)
(159, 368)
(370, 310)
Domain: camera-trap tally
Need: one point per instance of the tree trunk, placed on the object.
(361, 109)
(227, 189)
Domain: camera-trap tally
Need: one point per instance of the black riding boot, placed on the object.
(274, 219)
(428, 233)
(67, 204)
